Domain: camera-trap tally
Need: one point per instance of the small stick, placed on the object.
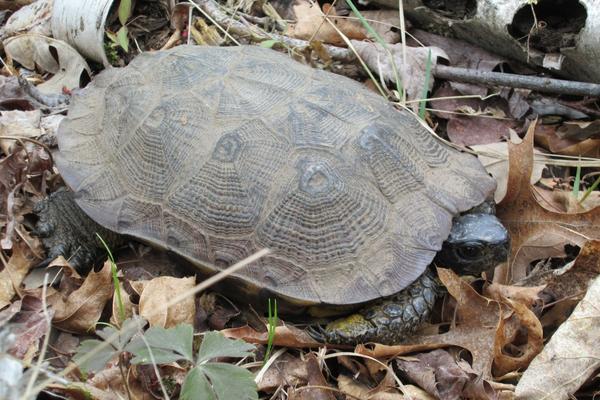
(540, 84)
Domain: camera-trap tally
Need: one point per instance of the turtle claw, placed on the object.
(317, 332)
(53, 253)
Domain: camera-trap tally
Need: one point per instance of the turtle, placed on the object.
(213, 153)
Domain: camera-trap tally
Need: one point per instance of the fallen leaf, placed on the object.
(478, 130)
(471, 121)
(286, 371)
(15, 270)
(462, 54)
(81, 310)
(285, 336)
(23, 124)
(480, 328)
(525, 218)
(156, 293)
(527, 295)
(442, 376)
(311, 25)
(579, 130)
(33, 18)
(29, 325)
(385, 22)
(547, 136)
(356, 390)
(494, 157)
(412, 74)
(32, 50)
(572, 281)
(316, 389)
(571, 356)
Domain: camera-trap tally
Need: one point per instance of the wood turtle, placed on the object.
(214, 153)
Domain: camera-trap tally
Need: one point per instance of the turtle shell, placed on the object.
(215, 153)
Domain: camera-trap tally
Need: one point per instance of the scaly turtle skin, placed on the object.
(214, 153)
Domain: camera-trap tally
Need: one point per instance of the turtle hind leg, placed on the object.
(65, 230)
(388, 321)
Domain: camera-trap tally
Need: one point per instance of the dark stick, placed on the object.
(488, 78)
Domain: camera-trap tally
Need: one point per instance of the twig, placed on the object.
(466, 75)
(487, 78)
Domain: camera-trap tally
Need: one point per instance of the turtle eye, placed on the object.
(469, 251)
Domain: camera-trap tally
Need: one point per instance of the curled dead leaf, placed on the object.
(311, 25)
(13, 273)
(570, 357)
(81, 310)
(32, 50)
(525, 218)
(157, 292)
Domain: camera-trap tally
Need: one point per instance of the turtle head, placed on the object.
(477, 242)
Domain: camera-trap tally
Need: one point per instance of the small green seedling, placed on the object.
(272, 321)
(113, 270)
(121, 37)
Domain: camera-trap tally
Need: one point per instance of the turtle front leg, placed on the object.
(67, 231)
(389, 321)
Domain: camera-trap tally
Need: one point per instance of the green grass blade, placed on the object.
(113, 270)
(577, 182)
(423, 102)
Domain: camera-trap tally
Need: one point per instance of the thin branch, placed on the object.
(540, 84)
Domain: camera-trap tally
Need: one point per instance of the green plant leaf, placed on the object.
(98, 361)
(112, 37)
(120, 338)
(167, 345)
(124, 11)
(196, 386)
(214, 344)
(230, 381)
(122, 38)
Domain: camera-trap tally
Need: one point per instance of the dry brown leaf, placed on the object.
(480, 328)
(311, 25)
(286, 371)
(285, 336)
(11, 277)
(157, 293)
(412, 74)
(81, 310)
(524, 218)
(356, 390)
(445, 377)
(572, 283)
(464, 55)
(29, 325)
(546, 136)
(570, 357)
(525, 319)
(317, 384)
(478, 130)
(385, 22)
(579, 130)
(24, 124)
(529, 296)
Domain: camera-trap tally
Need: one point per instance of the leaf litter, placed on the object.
(485, 333)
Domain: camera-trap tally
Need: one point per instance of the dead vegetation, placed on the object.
(512, 334)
